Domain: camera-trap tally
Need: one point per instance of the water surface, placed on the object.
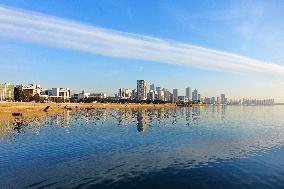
(198, 147)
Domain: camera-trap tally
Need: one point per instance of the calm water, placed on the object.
(206, 147)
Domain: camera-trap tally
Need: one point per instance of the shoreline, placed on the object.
(23, 107)
(34, 108)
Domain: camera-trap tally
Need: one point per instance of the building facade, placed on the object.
(188, 93)
(124, 93)
(223, 99)
(32, 89)
(152, 87)
(195, 95)
(64, 93)
(6, 91)
(141, 90)
(175, 95)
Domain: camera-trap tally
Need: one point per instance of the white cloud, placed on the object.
(53, 31)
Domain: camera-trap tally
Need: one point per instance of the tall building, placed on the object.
(168, 95)
(158, 88)
(218, 100)
(152, 87)
(212, 100)
(188, 93)
(6, 91)
(195, 95)
(134, 94)
(124, 93)
(223, 99)
(141, 89)
(161, 95)
(175, 95)
(151, 95)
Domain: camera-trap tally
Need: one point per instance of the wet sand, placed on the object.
(32, 107)
(36, 109)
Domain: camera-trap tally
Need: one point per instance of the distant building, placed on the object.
(175, 95)
(83, 94)
(161, 94)
(6, 91)
(64, 93)
(183, 99)
(134, 94)
(151, 95)
(212, 101)
(97, 95)
(32, 89)
(152, 87)
(218, 100)
(158, 88)
(188, 93)
(168, 96)
(223, 99)
(195, 95)
(124, 93)
(141, 90)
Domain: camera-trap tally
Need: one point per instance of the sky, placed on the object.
(231, 47)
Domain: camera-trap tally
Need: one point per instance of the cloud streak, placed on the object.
(58, 32)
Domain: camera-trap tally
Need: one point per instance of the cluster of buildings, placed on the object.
(140, 93)
(157, 93)
(7, 91)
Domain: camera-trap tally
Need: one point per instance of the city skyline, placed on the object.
(214, 63)
(140, 93)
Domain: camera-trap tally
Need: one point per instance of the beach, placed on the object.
(32, 109)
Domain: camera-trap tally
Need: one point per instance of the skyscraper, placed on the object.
(223, 99)
(141, 89)
(195, 95)
(175, 95)
(188, 93)
(152, 87)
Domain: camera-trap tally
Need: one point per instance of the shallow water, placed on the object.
(198, 147)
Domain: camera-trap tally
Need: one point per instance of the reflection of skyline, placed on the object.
(141, 120)
(199, 136)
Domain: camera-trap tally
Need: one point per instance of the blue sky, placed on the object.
(251, 29)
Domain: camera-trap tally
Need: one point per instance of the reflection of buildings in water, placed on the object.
(223, 111)
(161, 114)
(187, 114)
(141, 120)
(63, 118)
(66, 117)
(195, 113)
(100, 115)
(153, 115)
(125, 117)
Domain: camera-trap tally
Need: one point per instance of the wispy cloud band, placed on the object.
(53, 31)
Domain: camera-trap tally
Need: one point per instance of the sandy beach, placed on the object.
(33, 109)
